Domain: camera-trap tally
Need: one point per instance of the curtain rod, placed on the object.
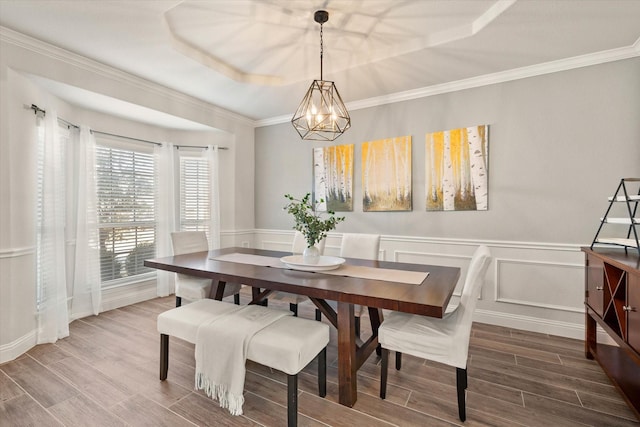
(198, 146)
(37, 110)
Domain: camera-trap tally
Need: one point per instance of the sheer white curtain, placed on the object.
(67, 247)
(214, 199)
(86, 295)
(165, 212)
(51, 275)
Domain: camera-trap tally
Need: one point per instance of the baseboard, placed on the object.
(126, 295)
(16, 348)
(535, 324)
(111, 299)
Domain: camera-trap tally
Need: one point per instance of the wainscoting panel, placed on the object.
(540, 284)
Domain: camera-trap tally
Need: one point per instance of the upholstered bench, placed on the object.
(305, 339)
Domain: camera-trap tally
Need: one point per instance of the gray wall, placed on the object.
(559, 144)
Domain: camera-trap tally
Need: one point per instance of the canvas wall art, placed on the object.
(333, 178)
(456, 165)
(386, 175)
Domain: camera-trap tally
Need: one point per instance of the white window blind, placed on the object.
(194, 193)
(126, 211)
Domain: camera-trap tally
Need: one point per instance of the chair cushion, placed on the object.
(288, 297)
(183, 322)
(289, 344)
(425, 337)
(194, 288)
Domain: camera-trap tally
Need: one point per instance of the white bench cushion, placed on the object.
(183, 322)
(288, 344)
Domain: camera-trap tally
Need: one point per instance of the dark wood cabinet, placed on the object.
(595, 284)
(633, 314)
(612, 300)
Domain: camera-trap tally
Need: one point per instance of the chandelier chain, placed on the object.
(321, 51)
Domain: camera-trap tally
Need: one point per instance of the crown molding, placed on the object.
(485, 80)
(42, 48)
(26, 42)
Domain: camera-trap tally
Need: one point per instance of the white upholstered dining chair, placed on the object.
(443, 340)
(357, 245)
(298, 246)
(190, 287)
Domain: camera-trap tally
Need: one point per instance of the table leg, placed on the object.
(217, 289)
(347, 363)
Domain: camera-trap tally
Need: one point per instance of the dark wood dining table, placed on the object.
(429, 298)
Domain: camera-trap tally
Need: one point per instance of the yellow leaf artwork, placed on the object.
(386, 174)
(333, 178)
(456, 165)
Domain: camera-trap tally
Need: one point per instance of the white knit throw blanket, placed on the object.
(221, 353)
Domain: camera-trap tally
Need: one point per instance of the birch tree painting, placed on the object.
(456, 169)
(333, 178)
(386, 174)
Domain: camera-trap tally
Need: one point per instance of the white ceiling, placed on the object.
(257, 58)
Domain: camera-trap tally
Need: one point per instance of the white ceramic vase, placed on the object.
(311, 255)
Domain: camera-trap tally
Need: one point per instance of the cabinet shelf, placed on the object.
(624, 199)
(625, 221)
(630, 243)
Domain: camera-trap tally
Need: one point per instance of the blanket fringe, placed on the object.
(220, 393)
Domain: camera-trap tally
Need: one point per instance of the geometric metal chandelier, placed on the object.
(321, 116)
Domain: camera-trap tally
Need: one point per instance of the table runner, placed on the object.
(361, 272)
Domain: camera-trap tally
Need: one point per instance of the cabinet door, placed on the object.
(595, 283)
(633, 314)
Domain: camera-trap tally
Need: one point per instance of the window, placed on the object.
(126, 211)
(194, 193)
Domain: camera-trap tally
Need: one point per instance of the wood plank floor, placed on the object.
(106, 374)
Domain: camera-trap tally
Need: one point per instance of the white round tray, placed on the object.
(296, 262)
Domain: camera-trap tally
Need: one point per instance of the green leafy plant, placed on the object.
(308, 221)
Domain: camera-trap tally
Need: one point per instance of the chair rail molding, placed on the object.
(17, 252)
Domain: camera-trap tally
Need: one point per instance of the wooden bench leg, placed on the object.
(164, 356)
(178, 301)
(236, 299)
(322, 373)
(292, 400)
(383, 373)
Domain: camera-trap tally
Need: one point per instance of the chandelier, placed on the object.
(321, 116)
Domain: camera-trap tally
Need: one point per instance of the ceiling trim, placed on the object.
(222, 66)
(208, 60)
(488, 79)
(40, 47)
